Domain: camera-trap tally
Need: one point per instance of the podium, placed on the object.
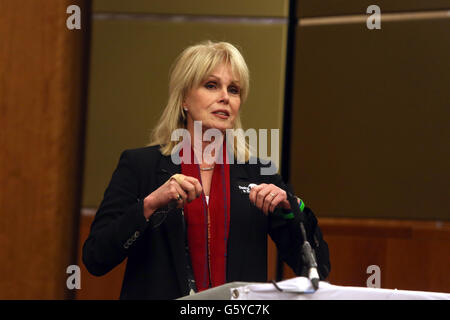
(300, 288)
(223, 292)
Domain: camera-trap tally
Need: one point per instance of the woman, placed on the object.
(191, 226)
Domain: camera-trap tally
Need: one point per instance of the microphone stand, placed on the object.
(307, 252)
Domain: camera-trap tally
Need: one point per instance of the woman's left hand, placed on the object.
(267, 197)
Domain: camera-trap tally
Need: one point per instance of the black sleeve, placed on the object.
(288, 238)
(118, 222)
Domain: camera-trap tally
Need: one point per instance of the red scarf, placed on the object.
(208, 225)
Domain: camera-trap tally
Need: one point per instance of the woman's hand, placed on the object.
(267, 197)
(179, 189)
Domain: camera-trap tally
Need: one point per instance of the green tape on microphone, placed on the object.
(290, 215)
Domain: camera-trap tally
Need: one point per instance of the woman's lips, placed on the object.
(221, 115)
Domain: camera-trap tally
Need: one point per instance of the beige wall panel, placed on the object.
(371, 117)
(308, 8)
(264, 8)
(130, 62)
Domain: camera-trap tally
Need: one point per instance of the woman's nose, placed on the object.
(225, 98)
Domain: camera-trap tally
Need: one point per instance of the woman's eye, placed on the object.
(210, 85)
(234, 90)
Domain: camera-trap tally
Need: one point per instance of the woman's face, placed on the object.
(215, 102)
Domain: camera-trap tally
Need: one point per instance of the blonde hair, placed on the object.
(190, 68)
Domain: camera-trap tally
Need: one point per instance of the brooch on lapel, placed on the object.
(245, 189)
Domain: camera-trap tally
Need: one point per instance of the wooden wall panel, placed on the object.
(412, 255)
(41, 120)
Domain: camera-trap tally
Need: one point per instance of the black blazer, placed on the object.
(157, 263)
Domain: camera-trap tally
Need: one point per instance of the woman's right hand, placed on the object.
(179, 190)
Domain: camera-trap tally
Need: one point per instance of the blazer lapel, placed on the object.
(174, 226)
(166, 168)
(239, 208)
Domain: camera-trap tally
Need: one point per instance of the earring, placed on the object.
(185, 109)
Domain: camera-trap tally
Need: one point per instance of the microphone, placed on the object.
(307, 252)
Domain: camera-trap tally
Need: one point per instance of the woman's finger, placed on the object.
(197, 186)
(280, 201)
(261, 196)
(276, 201)
(270, 197)
(189, 188)
(177, 193)
(253, 193)
(285, 204)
